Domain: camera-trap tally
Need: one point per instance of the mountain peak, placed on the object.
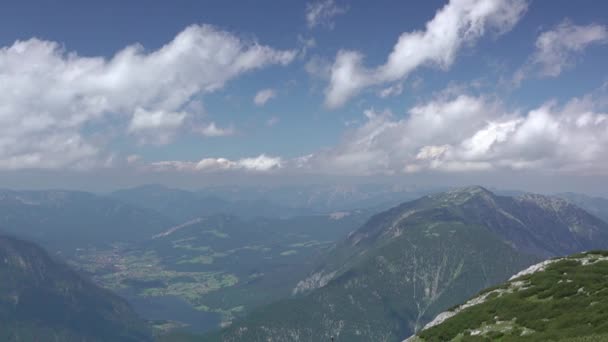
(547, 202)
(472, 189)
(461, 195)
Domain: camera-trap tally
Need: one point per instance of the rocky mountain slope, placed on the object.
(43, 300)
(404, 266)
(563, 299)
(597, 206)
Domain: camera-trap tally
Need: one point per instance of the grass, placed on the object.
(567, 301)
(137, 267)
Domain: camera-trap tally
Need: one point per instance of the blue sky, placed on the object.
(403, 89)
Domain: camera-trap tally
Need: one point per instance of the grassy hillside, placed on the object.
(564, 300)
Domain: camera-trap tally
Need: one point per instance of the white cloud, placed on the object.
(322, 13)
(394, 90)
(305, 45)
(48, 96)
(556, 49)
(156, 126)
(133, 159)
(272, 121)
(261, 163)
(465, 133)
(318, 67)
(212, 130)
(264, 96)
(458, 23)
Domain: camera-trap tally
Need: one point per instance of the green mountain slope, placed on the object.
(42, 300)
(406, 265)
(564, 299)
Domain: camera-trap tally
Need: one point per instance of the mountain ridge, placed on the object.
(419, 257)
(559, 299)
(42, 299)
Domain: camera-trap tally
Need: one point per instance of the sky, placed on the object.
(101, 95)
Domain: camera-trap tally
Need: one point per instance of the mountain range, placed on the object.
(265, 271)
(66, 220)
(406, 265)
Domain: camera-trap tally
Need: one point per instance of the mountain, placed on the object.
(563, 299)
(66, 220)
(183, 205)
(405, 265)
(208, 271)
(597, 206)
(43, 300)
(323, 198)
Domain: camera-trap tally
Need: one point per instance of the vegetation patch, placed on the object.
(566, 301)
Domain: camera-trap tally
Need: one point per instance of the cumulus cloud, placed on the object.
(322, 13)
(261, 163)
(155, 126)
(48, 96)
(556, 49)
(458, 23)
(466, 133)
(212, 130)
(264, 96)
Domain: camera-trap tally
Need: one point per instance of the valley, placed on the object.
(304, 171)
(355, 274)
(215, 269)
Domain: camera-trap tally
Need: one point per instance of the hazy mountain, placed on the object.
(43, 300)
(71, 219)
(562, 299)
(597, 206)
(183, 205)
(407, 264)
(324, 197)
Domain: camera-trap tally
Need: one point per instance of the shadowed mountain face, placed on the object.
(43, 300)
(404, 266)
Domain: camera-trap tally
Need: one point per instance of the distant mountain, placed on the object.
(182, 205)
(405, 265)
(597, 206)
(71, 219)
(324, 197)
(43, 300)
(562, 299)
